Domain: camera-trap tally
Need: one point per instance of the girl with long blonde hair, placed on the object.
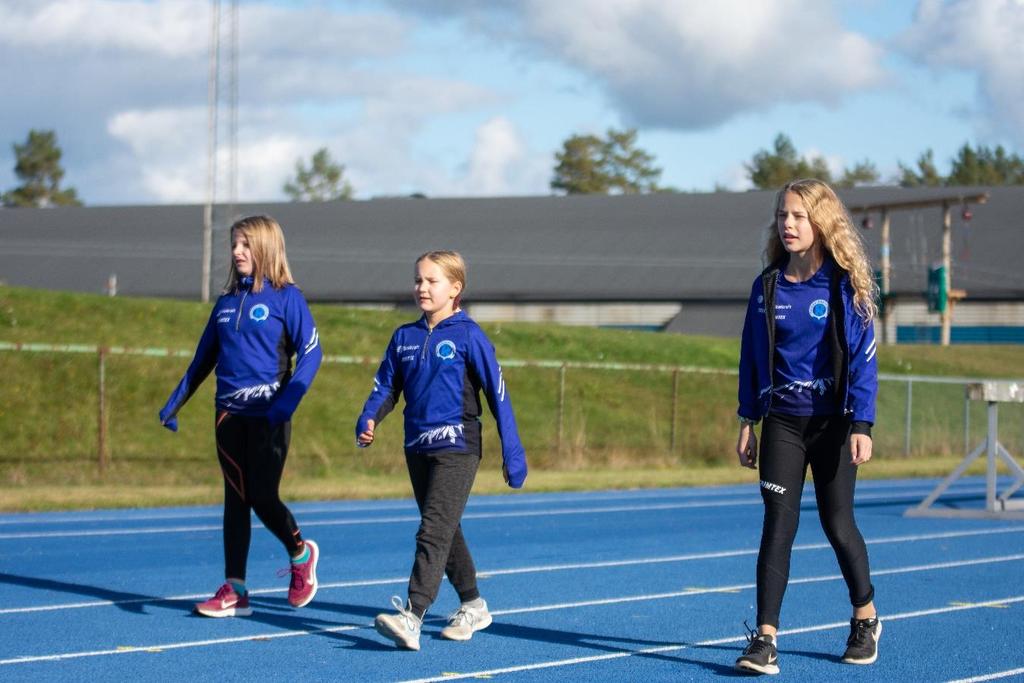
(808, 368)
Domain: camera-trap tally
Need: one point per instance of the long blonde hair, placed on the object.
(269, 260)
(452, 265)
(839, 237)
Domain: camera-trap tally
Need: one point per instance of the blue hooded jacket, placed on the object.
(250, 339)
(853, 351)
(440, 372)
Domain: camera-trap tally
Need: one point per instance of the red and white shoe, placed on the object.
(303, 585)
(225, 603)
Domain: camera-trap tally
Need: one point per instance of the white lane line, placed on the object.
(905, 488)
(706, 643)
(192, 597)
(477, 501)
(990, 677)
(738, 553)
(561, 606)
(177, 646)
(748, 500)
(751, 586)
(533, 569)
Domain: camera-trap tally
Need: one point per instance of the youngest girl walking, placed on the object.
(440, 363)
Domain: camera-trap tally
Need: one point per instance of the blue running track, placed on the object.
(650, 585)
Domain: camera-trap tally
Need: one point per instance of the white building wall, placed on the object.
(904, 313)
(595, 315)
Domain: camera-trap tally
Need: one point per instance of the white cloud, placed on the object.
(502, 163)
(169, 151)
(179, 28)
(69, 25)
(735, 178)
(497, 147)
(697, 64)
(983, 36)
(690, 64)
(168, 146)
(133, 95)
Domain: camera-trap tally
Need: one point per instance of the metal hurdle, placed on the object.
(997, 505)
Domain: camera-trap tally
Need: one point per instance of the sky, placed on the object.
(460, 98)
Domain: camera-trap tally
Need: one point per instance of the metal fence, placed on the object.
(571, 413)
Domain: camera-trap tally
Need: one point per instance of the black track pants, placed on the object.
(441, 484)
(788, 445)
(252, 454)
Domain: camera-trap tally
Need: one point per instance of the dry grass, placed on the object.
(364, 485)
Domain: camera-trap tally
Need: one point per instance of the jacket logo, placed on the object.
(818, 309)
(445, 350)
(259, 313)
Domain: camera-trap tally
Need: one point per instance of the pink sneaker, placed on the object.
(303, 585)
(225, 603)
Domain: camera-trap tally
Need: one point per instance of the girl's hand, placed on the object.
(746, 446)
(860, 448)
(366, 438)
(504, 472)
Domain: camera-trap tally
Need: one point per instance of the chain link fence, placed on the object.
(85, 404)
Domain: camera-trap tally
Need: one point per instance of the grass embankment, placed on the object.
(616, 425)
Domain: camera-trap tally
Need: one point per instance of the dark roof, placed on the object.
(581, 248)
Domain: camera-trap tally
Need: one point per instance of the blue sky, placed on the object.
(474, 97)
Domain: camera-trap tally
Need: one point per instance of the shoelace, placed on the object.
(408, 618)
(223, 591)
(460, 615)
(860, 634)
(755, 644)
(298, 580)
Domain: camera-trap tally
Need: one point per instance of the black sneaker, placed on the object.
(760, 655)
(862, 645)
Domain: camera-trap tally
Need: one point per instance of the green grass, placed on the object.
(613, 422)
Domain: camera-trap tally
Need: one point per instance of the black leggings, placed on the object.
(788, 444)
(441, 483)
(252, 454)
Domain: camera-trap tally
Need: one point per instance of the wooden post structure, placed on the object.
(946, 201)
(886, 275)
(947, 267)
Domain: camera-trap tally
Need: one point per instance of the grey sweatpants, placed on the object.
(441, 483)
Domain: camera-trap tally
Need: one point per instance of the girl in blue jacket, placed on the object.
(808, 369)
(440, 363)
(257, 325)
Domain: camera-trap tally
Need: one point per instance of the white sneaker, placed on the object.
(463, 622)
(402, 628)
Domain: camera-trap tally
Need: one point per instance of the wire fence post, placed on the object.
(907, 427)
(675, 409)
(101, 411)
(967, 424)
(561, 405)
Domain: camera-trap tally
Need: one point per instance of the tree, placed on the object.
(38, 166)
(770, 170)
(970, 166)
(589, 164)
(984, 166)
(321, 182)
(926, 174)
(862, 173)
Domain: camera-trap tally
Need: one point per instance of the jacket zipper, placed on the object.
(426, 343)
(241, 304)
